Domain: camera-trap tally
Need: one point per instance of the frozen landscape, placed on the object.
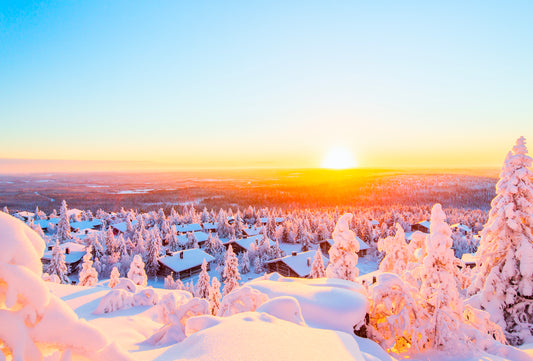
(261, 284)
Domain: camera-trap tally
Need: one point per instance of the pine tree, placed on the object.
(109, 241)
(317, 268)
(63, 226)
(439, 286)
(214, 296)
(245, 263)
(115, 275)
(231, 272)
(396, 252)
(136, 272)
(57, 265)
(202, 287)
(88, 275)
(343, 253)
(259, 265)
(152, 257)
(504, 259)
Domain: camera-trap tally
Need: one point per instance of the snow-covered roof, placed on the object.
(247, 242)
(54, 220)
(86, 224)
(252, 231)
(374, 222)
(298, 263)
(461, 227)
(362, 244)
(123, 226)
(76, 252)
(468, 258)
(24, 214)
(426, 224)
(191, 258)
(189, 227)
(43, 223)
(264, 220)
(200, 236)
(210, 226)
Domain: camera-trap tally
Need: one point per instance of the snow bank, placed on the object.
(259, 336)
(333, 304)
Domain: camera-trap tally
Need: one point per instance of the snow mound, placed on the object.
(259, 336)
(34, 322)
(126, 284)
(119, 299)
(285, 308)
(333, 304)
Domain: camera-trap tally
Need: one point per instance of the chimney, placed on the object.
(67, 250)
(294, 253)
(50, 248)
(373, 279)
(169, 253)
(181, 255)
(308, 261)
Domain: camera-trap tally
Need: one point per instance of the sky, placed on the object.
(216, 84)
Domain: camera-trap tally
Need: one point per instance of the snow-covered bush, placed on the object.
(240, 300)
(317, 268)
(174, 329)
(119, 299)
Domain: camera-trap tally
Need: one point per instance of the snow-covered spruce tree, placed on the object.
(504, 259)
(343, 253)
(396, 252)
(115, 275)
(152, 256)
(109, 241)
(63, 226)
(245, 263)
(57, 265)
(202, 287)
(259, 265)
(231, 272)
(317, 268)
(214, 296)
(192, 241)
(136, 272)
(172, 240)
(88, 275)
(439, 285)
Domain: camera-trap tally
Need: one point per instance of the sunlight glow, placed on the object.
(338, 158)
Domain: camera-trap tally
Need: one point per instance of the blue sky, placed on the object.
(268, 83)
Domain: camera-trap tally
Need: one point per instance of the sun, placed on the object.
(338, 158)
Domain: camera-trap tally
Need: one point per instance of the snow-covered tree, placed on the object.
(317, 268)
(504, 259)
(88, 275)
(202, 287)
(63, 226)
(115, 275)
(396, 252)
(259, 265)
(214, 296)
(152, 256)
(245, 263)
(231, 272)
(136, 272)
(57, 265)
(343, 253)
(192, 241)
(439, 285)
